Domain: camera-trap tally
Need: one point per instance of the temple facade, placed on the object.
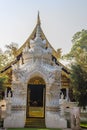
(38, 80)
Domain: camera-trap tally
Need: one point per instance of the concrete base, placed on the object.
(53, 120)
(16, 120)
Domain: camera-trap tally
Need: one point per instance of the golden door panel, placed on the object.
(36, 100)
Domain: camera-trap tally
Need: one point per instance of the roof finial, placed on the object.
(38, 19)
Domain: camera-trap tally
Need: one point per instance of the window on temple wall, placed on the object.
(9, 91)
(63, 91)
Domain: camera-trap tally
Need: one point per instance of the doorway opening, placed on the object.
(36, 98)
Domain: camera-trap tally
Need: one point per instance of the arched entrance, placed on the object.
(36, 98)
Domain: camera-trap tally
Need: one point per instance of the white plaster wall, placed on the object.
(43, 66)
(15, 120)
(53, 120)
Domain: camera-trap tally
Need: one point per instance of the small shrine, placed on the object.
(38, 78)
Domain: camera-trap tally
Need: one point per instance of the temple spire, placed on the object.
(38, 19)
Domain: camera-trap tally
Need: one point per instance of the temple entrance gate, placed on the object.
(36, 97)
(36, 83)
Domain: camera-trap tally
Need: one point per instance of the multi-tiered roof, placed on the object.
(27, 43)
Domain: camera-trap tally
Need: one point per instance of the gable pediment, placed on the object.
(27, 42)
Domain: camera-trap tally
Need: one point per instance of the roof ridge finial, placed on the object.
(38, 19)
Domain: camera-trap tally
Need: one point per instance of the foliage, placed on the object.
(33, 129)
(11, 49)
(78, 59)
(3, 59)
(83, 124)
(8, 55)
(3, 81)
(79, 84)
(79, 47)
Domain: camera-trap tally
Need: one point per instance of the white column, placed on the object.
(6, 93)
(67, 94)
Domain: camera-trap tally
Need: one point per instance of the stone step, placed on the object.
(35, 122)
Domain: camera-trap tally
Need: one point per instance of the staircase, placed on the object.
(35, 123)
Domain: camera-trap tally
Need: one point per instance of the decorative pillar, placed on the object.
(67, 94)
(9, 104)
(6, 93)
(75, 118)
(48, 97)
(20, 61)
(61, 111)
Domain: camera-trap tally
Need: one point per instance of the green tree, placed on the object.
(3, 59)
(8, 55)
(3, 81)
(78, 60)
(79, 84)
(11, 51)
(12, 48)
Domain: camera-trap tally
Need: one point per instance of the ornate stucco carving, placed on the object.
(37, 62)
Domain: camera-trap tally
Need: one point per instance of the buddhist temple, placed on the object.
(36, 84)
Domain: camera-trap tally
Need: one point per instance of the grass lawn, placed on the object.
(33, 129)
(83, 125)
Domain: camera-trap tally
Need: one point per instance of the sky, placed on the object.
(60, 20)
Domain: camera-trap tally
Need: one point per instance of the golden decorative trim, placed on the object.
(36, 80)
